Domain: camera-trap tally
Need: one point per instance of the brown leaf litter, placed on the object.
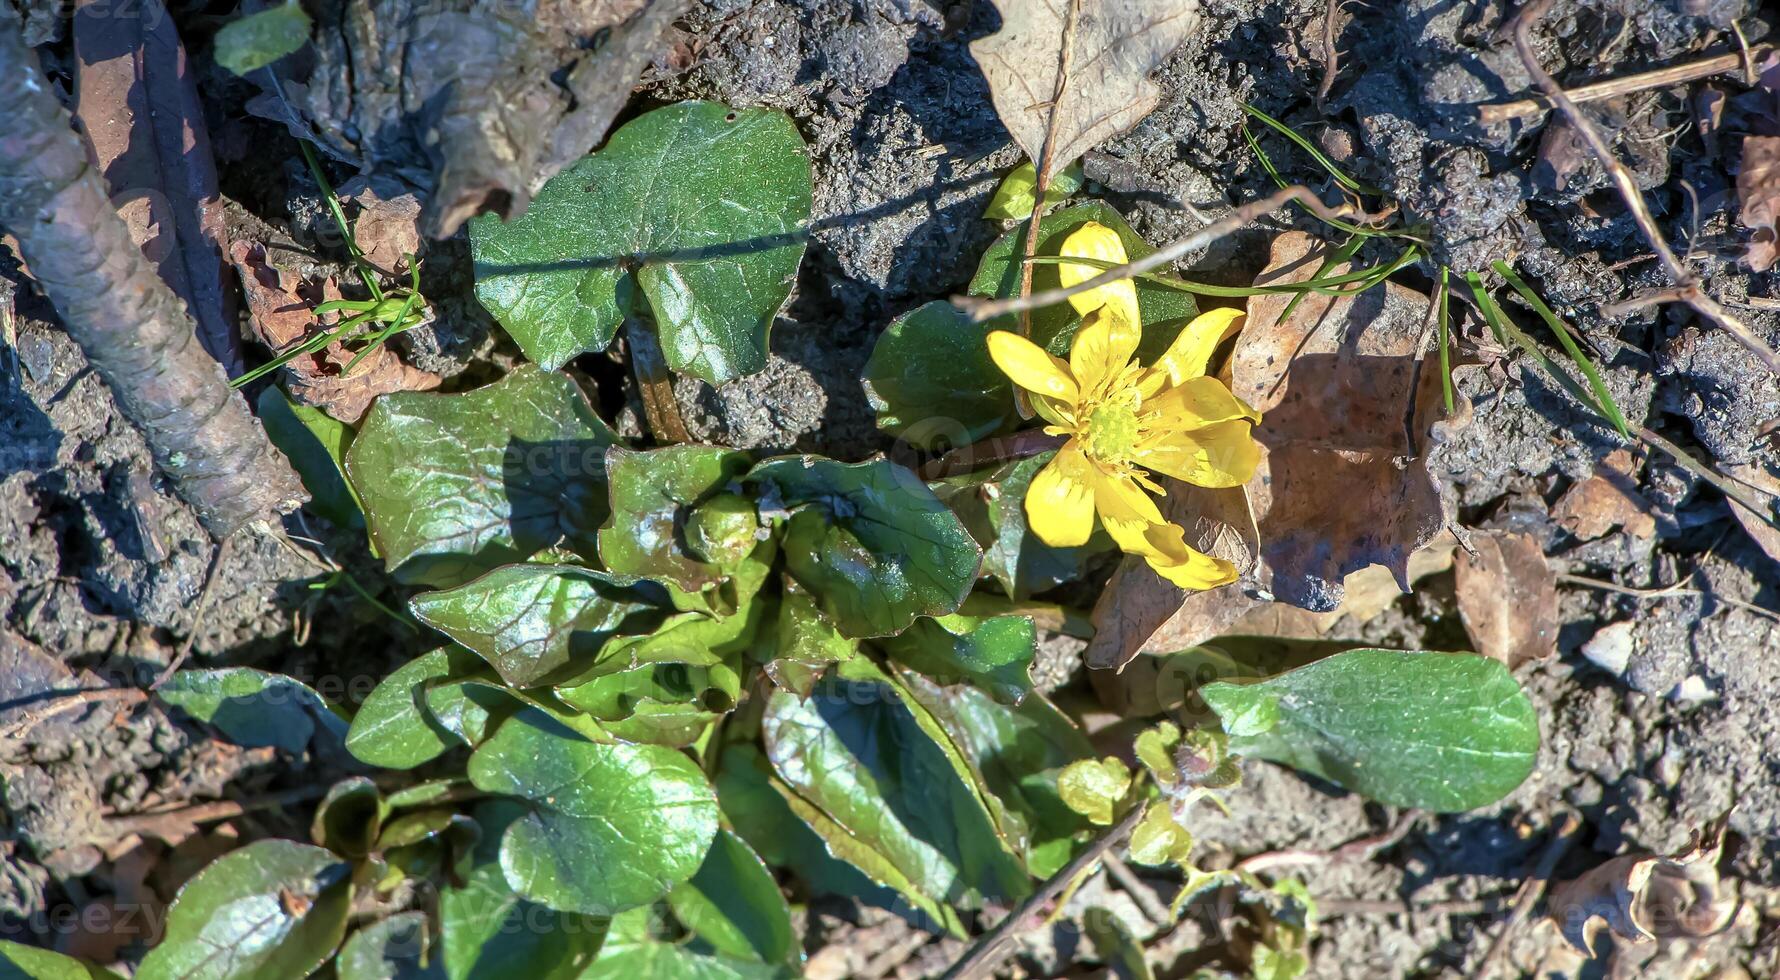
(1507, 597)
(1606, 500)
(1642, 897)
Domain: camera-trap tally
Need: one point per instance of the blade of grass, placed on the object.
(1341, 176)
(333, 201)
(1443, 299)
(1360, 279)
(1583, 362)
(1336, 223)
(1507, 333)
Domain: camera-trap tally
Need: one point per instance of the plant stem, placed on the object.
(134, 331)
(655, 383)
(989, 452)
(992, 947)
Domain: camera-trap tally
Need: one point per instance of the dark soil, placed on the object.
(99, 567)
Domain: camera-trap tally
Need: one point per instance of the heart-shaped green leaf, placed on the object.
(21, 962)
(349, 817)
(870, 541)
(254, 708)
(993, 653)
(393, 728)
(274, 908)
(1164, 310)
(932, 383)
(698, 207)
(634, 952)
(654, 495)
(734, 904)
(396, 948)
(456, 484)
(489, 932)
(885, 797)
(315, 443)
(644, 815)
(1438, 731)
(529, 621)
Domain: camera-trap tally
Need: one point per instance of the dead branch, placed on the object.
(66, 703)
(1520, 28)
(981, 308)
(134, 331)
(1623, 85)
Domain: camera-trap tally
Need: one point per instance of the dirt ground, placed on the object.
(907, 149)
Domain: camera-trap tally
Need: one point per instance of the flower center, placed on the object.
(1111, 432)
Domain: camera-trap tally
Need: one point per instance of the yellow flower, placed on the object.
(1125, 421)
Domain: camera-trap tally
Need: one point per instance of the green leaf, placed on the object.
(396, 948)
(21, 962)
(696, 207)
(316, 444)
(805, 644)
(931, 382)
(1117, 948)
(643, 814)
(274, 908)
(1019, 192)
(1095, 787)
(1158, 840)
(1438, 731)
(734, 904)
(1024, 565)
(393, 729)
(661, 704)
(457, 484)
(258, 39)
(756, 808)
(530, 621)
(873, 545)
(995, 653)
(489, 932)
(634, 952)
(254, 708)
(654, 494)
(885, 797)
(1164, 310)
(349, 817)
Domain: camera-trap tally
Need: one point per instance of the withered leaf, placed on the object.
(1758, 189)
(1759, 526)
(281, 315)
(1640, 897)
(1066, 75)
(1507, 597)
(138, 103)
(1606, 500)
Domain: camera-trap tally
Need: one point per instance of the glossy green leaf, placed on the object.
(349, 817)
(274, 908)
(1164, 310)
(252, 42)
(396, 948)
(805, 644)
(757, 810)
(661, 703)
(993, 653)
(1117, 948)
(1018, 192)
(889, 799)
(643, 814)
(1094, 788)
(457, 484)
(696, 209)
(931, 382)
(1024, 565)
(393, 728)
(654, 496)
(1158, 839)
(315, 443)
(870, 541)
(530, 621)
(634, 952)
(21, 962)
(489, 932)
(1437, 731)
(734, 904)
(254, 708)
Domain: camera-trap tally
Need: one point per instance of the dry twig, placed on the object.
(1623, 85)
(66, 703)
(1519, 28)
(1362, 849)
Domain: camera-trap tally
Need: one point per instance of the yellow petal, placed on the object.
(1060, 501)
(1190, 352)
(1102, 348)
(1192, 404)
(1224, 454)
(1171, 557)
(1096, 241)
(1119, 498)
(1032, 367)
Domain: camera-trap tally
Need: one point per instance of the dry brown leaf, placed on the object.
(1765, 535)
(1340, 486)
(1606, 500)
(1640, 897)
(281, 315)
(1758, 188)
(1507, 597)
(387, 228)
(1066, 75)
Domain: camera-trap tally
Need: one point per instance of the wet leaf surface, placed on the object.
(994, 654)
(734, 903)
(931, 382)
(656, 217)
(653, 497)
(254, 708)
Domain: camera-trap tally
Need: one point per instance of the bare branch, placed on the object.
(1624, 85)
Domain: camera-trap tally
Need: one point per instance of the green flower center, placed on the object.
(1111, 434)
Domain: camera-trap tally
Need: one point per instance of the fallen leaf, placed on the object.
(1640, 897)
(1606, 500)
(1611, 647)
(387, 228)
(1758, 188)
(1507, 597)
(1759, 526)
(281, 315)
(1066, 75)
(1340, 485)
(137, 101)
